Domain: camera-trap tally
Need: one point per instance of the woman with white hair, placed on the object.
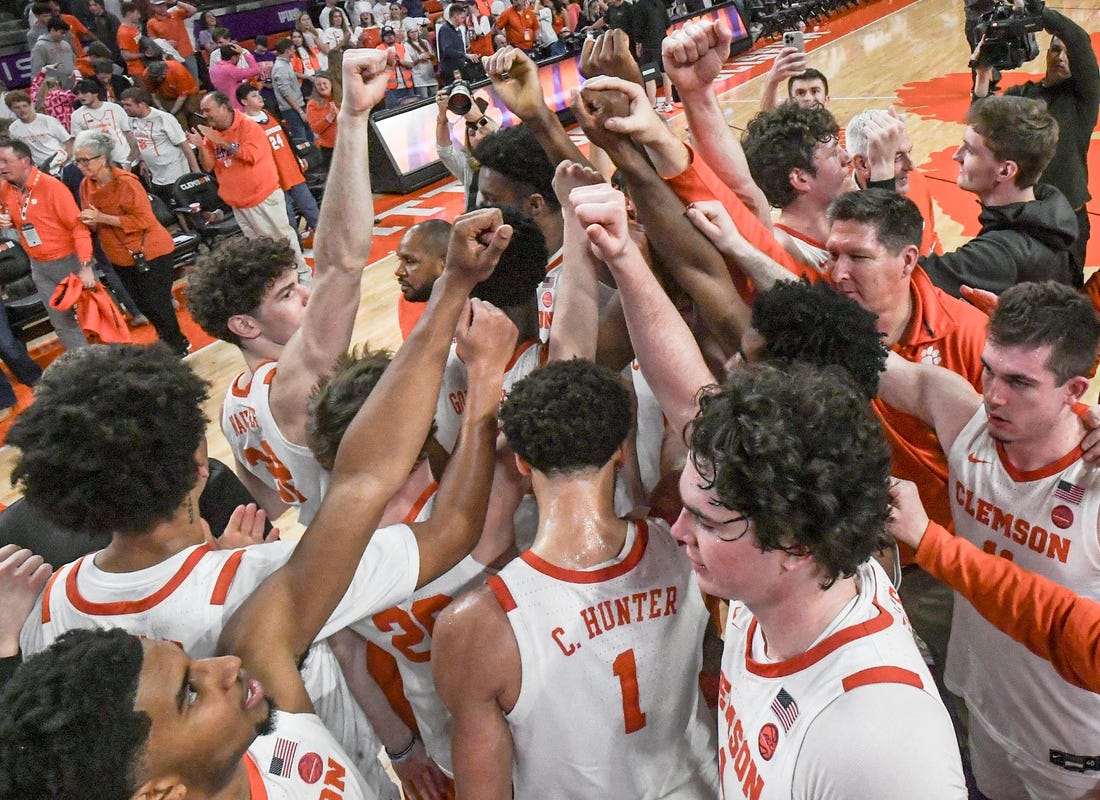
(116, 206)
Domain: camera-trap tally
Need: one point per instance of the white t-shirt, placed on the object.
(160, 141)
(110, 119)
(45, 136)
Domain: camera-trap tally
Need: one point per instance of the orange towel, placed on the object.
(97, 314)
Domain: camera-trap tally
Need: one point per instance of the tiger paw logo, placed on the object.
(931, 355)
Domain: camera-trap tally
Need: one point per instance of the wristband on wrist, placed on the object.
(397, 758)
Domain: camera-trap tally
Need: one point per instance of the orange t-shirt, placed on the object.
(286, 162)
(173, 28)
(128, 37)
(520, 28)
(323, 129)
(248, 176)
(951, 333)
(126, 198)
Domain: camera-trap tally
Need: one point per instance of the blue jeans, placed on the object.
(296, 126)
(300, 201)
(18, 360)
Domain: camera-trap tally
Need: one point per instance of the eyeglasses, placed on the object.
(83, 162)
(471, 127)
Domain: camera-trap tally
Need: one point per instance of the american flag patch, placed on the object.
(1070, 492)
(283, 757)
(785, 709)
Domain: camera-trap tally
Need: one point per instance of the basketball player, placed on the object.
(135, 718)
(823, 691)
(246, 292)
(1020, 488)
(574, 672)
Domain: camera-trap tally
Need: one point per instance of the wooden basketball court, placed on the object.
(906, 53)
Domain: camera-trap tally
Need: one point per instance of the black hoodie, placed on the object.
(1018, 242)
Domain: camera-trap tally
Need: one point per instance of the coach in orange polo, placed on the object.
(41, 209)
(236, 150)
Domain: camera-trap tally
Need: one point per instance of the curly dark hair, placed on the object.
(108, 446)
(522, 265)
(567, 416)
(1049, 313)
(797, 451)
(778, 141)
(68, 727)
(337, 397)
(516, 154)
(813, 323)
(232, 279)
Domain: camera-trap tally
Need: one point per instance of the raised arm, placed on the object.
(343, 241)
(790, 63)
(277, 623)
(484, 343)
(943, 399)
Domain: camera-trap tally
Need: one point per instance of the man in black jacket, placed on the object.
(1071, 90)
(1027, 229)
(452, 44)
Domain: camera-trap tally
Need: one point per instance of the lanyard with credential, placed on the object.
(25, 193)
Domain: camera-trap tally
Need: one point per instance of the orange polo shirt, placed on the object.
(50, 208)
(520, 28)
(178, 82)
(951, 333)
(127, 199)
(247, 177)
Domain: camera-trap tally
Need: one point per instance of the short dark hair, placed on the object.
(57, 24)
(809, 74)
(67, 719)
(98, 50)
(91, 86)
(39, 8)
(435, 234)
(337, 397)
(778, 141)
(798, 452)
(567, 416)
(1049, 313)
(813, 323)
(126, 8)
(244, 90)
(139, 416)
(522, 265)
(103, 65)
(220, 32)
(896, 219)
(455, 9)
(18, 145)
(515, 153)
(137, 94)
(233, 278)
(227, 51)
(1017, 129)
(283, 45)
(260, 39)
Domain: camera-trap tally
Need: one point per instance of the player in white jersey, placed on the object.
(141, 718)
(784, 502)
(1019, 488)
(246, 291)
(576, 673)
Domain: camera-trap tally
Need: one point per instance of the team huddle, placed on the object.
(622, 510)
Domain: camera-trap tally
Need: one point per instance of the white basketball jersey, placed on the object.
(256, 441)
(546, 296)
(766, 709)
(609, 703)
(649, 429)
(301, 761)
(1045, 521)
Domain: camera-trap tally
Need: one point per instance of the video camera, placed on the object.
(1009, 34)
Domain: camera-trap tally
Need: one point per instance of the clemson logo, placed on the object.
(931, 355)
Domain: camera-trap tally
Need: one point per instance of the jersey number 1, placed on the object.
(625, 669)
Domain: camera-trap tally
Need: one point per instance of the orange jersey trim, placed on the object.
(256, 786)
(46, 597)
(595, 576)
(225, 578)
(501, 592)
(131, 606)
(418, 506)
(1051, 469)
(873, 675)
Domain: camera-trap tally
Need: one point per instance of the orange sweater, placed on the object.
(248, 176)
(54, 215)
(323, 129)
(126, 198)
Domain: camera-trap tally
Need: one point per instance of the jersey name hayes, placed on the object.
(244, 421)
(600, 618)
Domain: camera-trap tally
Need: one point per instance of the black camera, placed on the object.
(459, 98)
(141, 264)
(1009, 35)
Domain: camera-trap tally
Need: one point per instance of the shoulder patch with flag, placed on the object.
(1070, 492)
(785, 709)
(283, 757)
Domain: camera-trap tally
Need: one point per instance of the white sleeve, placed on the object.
(883, 740)
(451, 403)
(77, 124)
(32, 637)
(173, 130)
(58, 129)
(124, 124)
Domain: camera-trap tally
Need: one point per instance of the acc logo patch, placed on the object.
(768, 740)
(310, 768)
(1062, 516)
(547, 299)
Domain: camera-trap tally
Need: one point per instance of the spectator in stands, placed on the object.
(368, 31)
(423, 68)
(116, 205)
(239, 155)
(108, 118)
(221, 38)
(49, 229)
(49, 142)
(805, 86)
(128, 33)
(170, 24)
(162, 145)
(451, 43)
(103, 25)
(311, 40)
(306, 58)
(287, 87)
(321, 112)
(235, 67)
(459, 160)
(173, 90)
(400, 89)
(54, 54)
(114, 83)
(51, 98)
(265, 57)
(337, 33)
(520, 25)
